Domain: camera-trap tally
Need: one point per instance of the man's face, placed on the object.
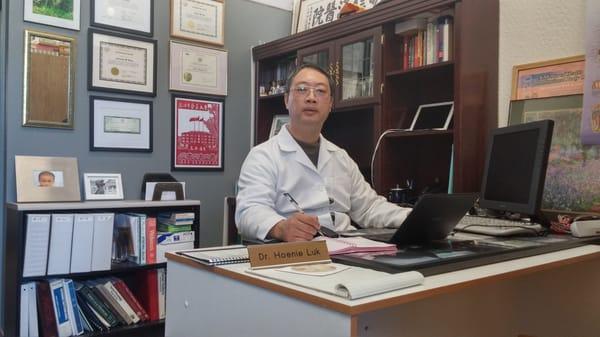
(309, 99)
(46, 180)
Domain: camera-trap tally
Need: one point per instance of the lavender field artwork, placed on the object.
(572, 182)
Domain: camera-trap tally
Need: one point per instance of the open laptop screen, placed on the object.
(435, 116)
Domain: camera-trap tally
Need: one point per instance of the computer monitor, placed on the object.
(515, 168)
(436, 116)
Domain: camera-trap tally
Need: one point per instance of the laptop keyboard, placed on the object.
(497, 227)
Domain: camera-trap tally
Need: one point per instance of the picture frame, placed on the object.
(278, 122)
(121, 63)
(46, 179)
(134, 17)
(103, 186)
(197, 133)
(198, 20)
(307, 14)
(64, 14)
(572, 183)
(120, 124)
(560, 77)
(49, 72)
(197, 69)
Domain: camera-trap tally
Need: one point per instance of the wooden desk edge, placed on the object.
(354, 310)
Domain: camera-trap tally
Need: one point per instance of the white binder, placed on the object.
(24, 317)
(33, 314)
(61, 310)
(102, 246)
(61, 238)
(37, 234)
(83, 239)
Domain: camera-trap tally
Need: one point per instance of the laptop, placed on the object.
(436, 116)
(432, 218)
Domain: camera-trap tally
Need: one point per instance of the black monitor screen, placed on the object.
(516, 168)
(433, 116)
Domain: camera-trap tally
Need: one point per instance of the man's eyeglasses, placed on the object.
(303, 90)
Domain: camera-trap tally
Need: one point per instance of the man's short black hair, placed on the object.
(293, 74)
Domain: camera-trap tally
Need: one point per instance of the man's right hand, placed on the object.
(298, 227)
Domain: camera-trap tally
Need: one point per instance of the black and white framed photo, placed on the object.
(103, 186)
(197, 69)
(198, 20)
(121, 63)
(64, 13)
(130, 16)
(118, 124)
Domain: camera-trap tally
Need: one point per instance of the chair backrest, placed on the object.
(230, 232)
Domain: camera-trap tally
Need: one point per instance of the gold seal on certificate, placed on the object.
(198, 69)
(199, 20)
(122, 63)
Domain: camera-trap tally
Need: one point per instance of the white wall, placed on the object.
(536, 30)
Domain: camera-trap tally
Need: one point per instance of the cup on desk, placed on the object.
(399, 195)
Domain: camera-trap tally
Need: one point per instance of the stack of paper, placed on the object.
(358, 244)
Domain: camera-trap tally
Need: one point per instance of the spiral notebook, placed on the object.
(216, 256)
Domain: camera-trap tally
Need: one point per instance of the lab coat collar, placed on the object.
(287, 143)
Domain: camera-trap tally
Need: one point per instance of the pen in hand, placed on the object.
(321, 229)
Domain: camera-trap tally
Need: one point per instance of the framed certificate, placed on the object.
(63, 13)
(121, 63)
(197, 69)
(198, 20)
(197, 137)
(130, 16)
(118, 124)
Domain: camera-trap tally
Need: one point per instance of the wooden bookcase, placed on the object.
(15, 252)
(392, 95)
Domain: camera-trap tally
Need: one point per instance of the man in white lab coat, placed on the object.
(298, 181)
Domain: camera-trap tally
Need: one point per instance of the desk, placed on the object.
(549, 295)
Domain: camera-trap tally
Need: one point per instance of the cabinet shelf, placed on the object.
(426, 68)
(271, 97)
(116, 268)
(421, 133)
(127, 330)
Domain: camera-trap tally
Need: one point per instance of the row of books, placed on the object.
(60, 243)
(63, 307)
(426, 41)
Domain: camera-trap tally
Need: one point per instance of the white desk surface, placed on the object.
(433, 285)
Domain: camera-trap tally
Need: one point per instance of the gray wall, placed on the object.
(242, 30)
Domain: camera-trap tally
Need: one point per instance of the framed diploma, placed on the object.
(559, 77)
(197, 69)
(119, 124)
(121, 63)
(130, 16)
(63, 13)
(198, 20)
(197, 134)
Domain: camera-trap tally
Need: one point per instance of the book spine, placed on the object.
(112, 303)
(47, 321)
(76, 323)
(162, 293)
(130, 298)
(98, 305)
(120, 301)
(147, 292)
(96, 321)
(150, 240)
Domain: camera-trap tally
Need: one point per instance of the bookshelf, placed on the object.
(15, 246)
(385, 93)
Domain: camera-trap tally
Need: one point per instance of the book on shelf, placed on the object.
(61, 238)
(215, 256)
(350, 283)
(97, 305)
(357, 244)
(60, 303)
(146, 291)
(173, 228)
(45, 305)
(102, 240)
(37, 236)
(73, 308)
(83, 243)
(170, 242)
(130, 298)
(28, 319)
(176, 218)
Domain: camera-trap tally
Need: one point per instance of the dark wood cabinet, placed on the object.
(376, 91)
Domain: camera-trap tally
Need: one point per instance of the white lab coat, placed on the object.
(280, 165)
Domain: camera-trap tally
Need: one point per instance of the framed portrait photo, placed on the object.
(103, 186)
(559, 77)
(49, 72)
(278, 122)
(197, 69)
(130, 16)
(63, 13)
(121, 63)
(198, 20)
(42, 179)
(197, 134)
(118, 124)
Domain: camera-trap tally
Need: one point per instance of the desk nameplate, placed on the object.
(287, 253)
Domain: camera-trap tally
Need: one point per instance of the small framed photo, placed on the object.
(197, 134)
(42, 179)
(63, 13)
(136, 17)
(198, 20)
(278, 122)
(103, 186)
(119, 124)
(559, 77)
(121, 63)
(197, 69)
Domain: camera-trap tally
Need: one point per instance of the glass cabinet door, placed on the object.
(321, 55)
(357, 69)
